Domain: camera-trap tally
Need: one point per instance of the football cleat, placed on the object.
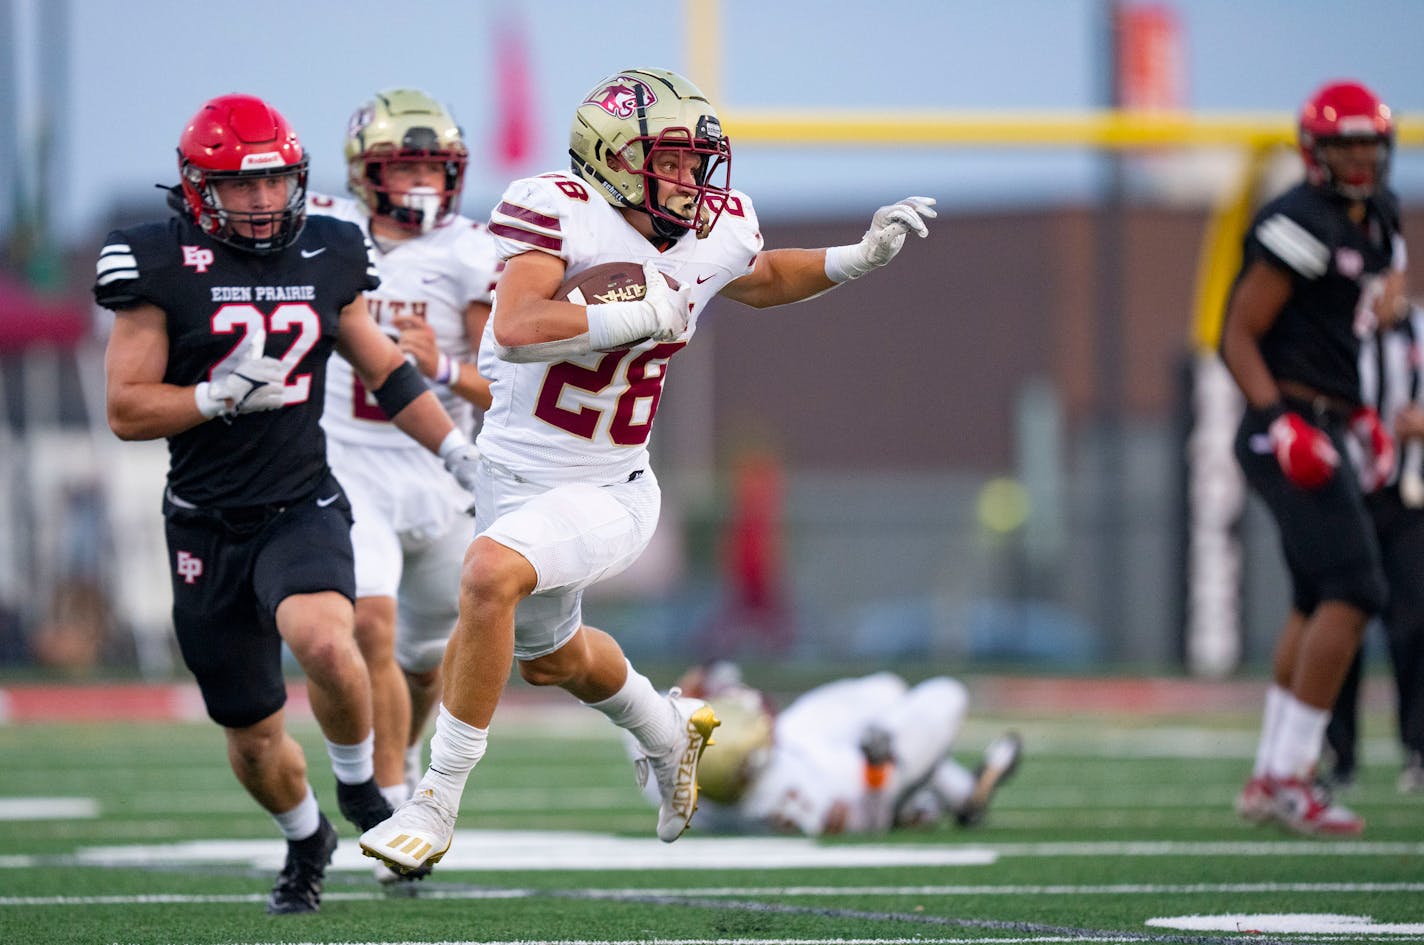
(416, 836)
(1001, 759)
(1256, 804)
(298, 887)
(396, 882)
(676, 770)
(1303, 806)
(363, 804)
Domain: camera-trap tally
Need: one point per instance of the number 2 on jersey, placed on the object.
(254, 326)
(630, 426)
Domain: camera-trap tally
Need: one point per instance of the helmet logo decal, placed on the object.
(199, 257)
(264, 159)
(360, 118)
(620, 97)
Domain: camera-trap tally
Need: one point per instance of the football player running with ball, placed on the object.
(1320, 263)
(225, 316)
(565, 495)
(406, 160)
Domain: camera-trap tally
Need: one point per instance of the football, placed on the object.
(607, 282)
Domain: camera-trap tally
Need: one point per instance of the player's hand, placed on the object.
(256, 384)
(1377, 446)
(417, 341)
(888, 229)
(671, 307)
(1305, 452)
(462, 463)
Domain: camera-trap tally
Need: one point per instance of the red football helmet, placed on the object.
(1343, 112)
(235, 136)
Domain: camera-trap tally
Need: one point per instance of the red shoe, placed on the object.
(1307, 808)
(1256, 804)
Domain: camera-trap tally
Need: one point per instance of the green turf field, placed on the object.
(136, 833)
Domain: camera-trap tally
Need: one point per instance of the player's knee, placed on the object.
(494, 574)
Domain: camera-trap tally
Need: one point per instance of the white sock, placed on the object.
(1270, 727)
(353, 764)
(414, 765)
(953, 783)
(1298, 742)
(454, 751)
(301, 821)
(638, 709)
(396, 794)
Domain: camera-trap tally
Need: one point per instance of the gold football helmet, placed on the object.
(741, 748)
(629, 115)
(405, 125)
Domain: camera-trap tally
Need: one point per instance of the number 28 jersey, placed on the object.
(219, 301)
(590, 418)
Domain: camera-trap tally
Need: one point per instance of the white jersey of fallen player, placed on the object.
(590, 418)
(435, 276)
(814, 779)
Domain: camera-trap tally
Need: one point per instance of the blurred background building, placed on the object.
(1004, 451)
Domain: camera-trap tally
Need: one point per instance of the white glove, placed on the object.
(661, 314)
(462, 460)
(256, 384)
(882, 241)
(671, 308)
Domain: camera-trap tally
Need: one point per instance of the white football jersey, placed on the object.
(436, 276)
(590, 418)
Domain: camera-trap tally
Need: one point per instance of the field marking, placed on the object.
(976, 940)
(48, 808)
(1316, 924)
(543, 850)
(433, 890)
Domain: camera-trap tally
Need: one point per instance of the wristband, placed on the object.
(844, 263)
(453, 441)
(444, 370)
(208, 405)
(614, 324)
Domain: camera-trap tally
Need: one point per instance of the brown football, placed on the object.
(607, 282)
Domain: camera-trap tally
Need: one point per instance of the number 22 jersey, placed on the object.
(218, 302)
(590, 418)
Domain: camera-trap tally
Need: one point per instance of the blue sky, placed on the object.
(139, 68)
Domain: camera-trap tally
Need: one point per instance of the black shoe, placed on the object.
(1001, 759)
(298, 886)
(363, 804)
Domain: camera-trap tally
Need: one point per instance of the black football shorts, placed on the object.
(230, 569)
(1326, 534)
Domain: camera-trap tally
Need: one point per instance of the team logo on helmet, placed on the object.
(620, 97)
(360, 119)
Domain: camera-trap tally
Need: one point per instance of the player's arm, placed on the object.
(525, 312)
(780, 276)
(790, 275)
(140, 405)
(417, 340)
(530, 325)
(1255, 304)
(396, 385)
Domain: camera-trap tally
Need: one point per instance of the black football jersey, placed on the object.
(1335, 266)
(215, 297)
